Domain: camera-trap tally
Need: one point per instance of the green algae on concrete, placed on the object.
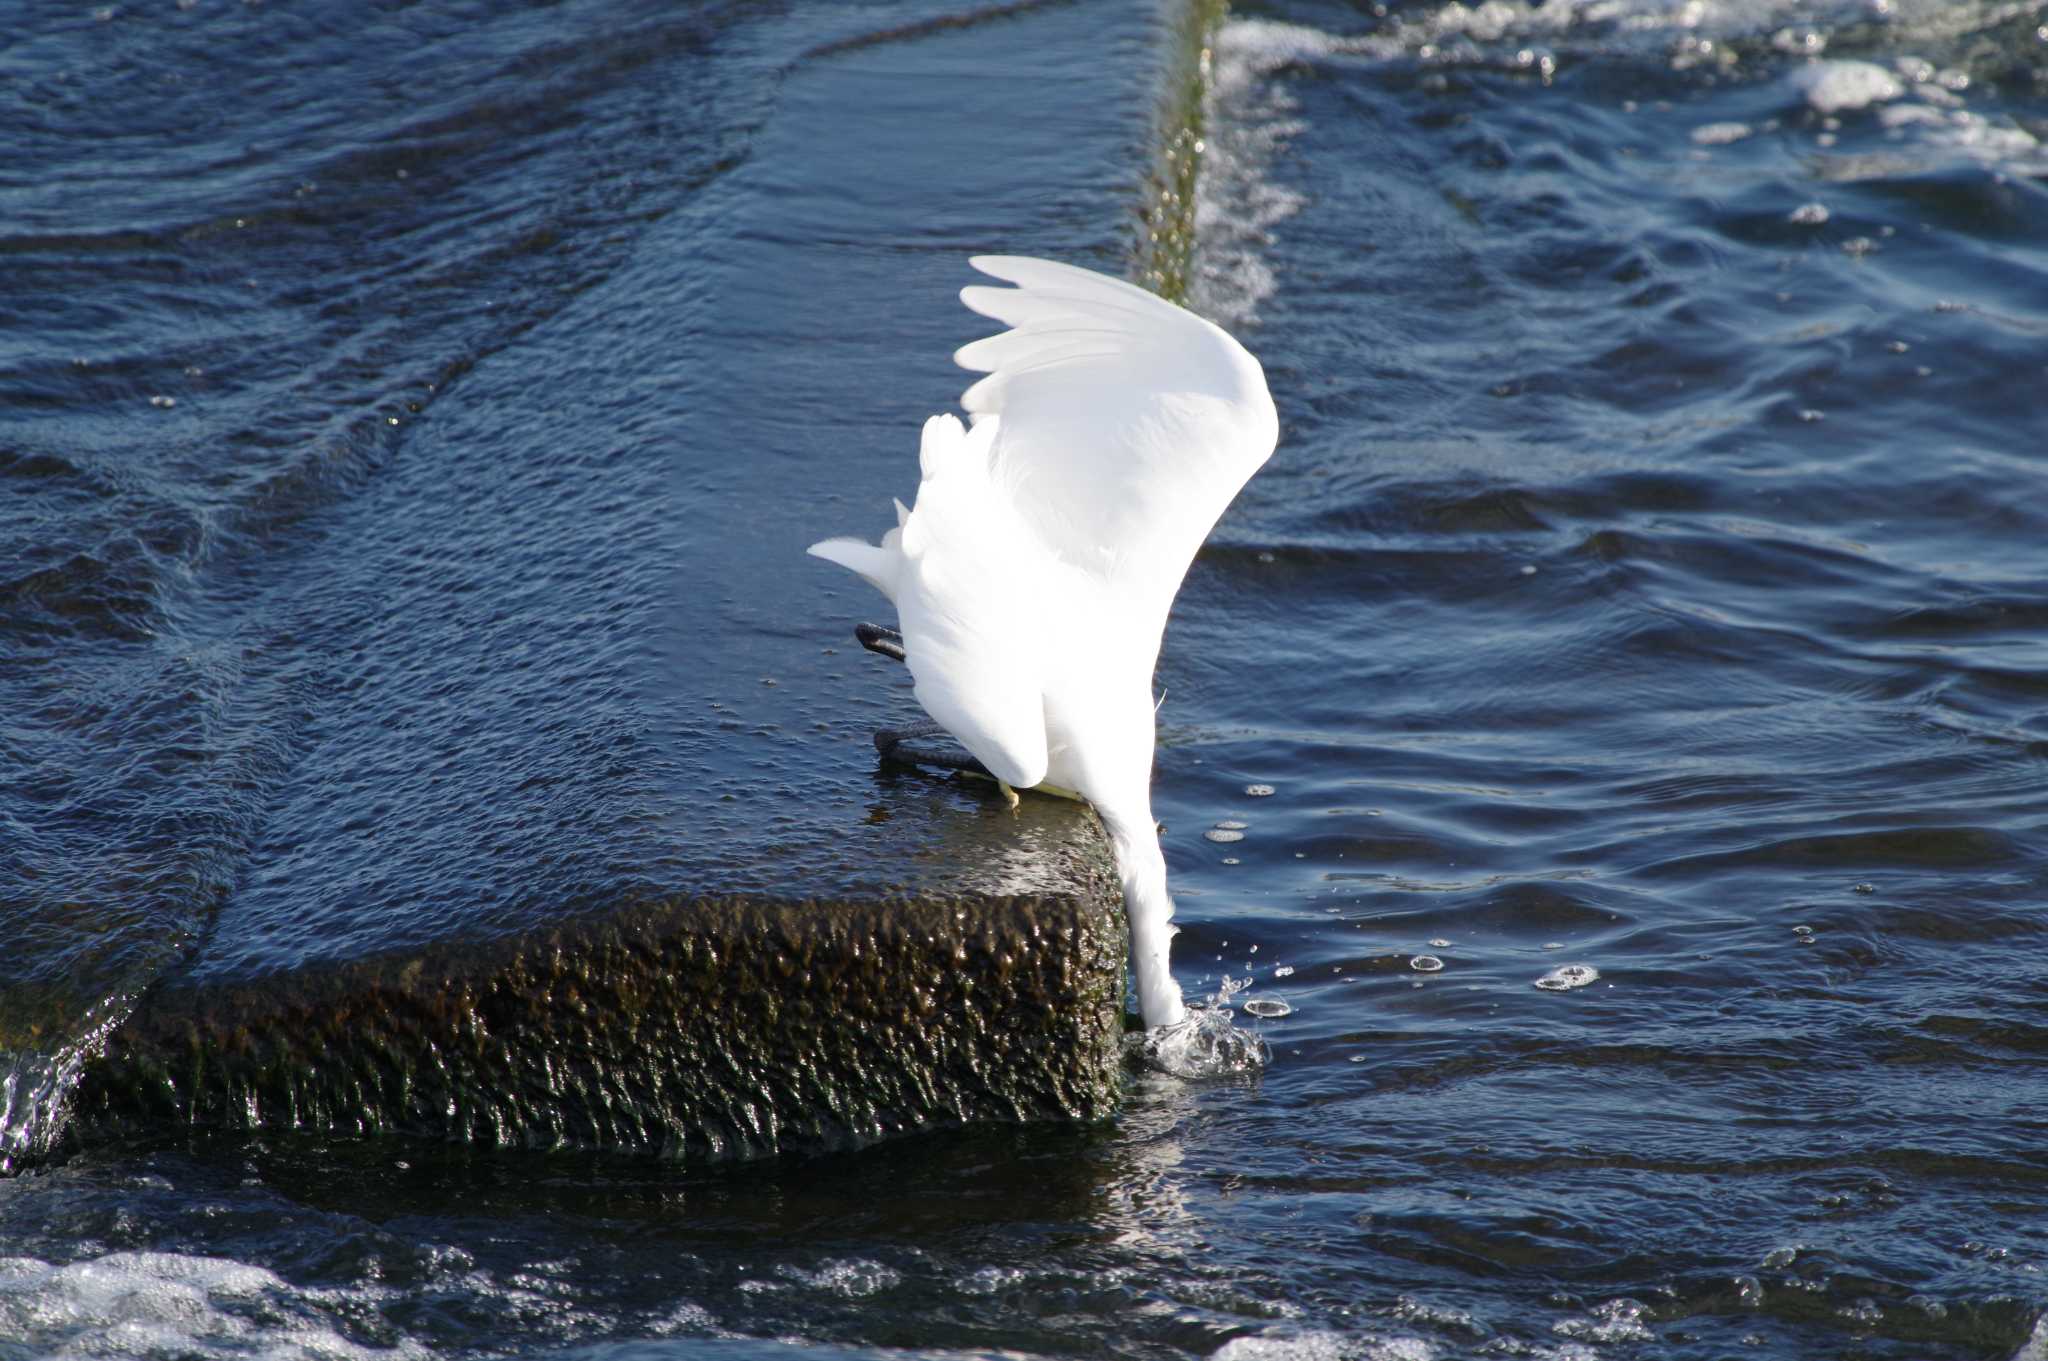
(696, 1029)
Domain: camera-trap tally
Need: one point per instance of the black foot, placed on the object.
(875, 638)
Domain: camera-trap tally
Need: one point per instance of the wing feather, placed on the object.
(1127, 424)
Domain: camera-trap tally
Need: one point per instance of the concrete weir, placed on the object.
(626, 873)
(697, 1029)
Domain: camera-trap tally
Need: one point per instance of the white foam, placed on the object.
(1250, 119)
(1720, 134)
(164, 1303)
(852, 1279)
(1324, 1346)
(1838, 86)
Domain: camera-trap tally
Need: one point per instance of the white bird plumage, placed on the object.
(1033, 575)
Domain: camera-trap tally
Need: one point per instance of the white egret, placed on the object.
(1033, 575)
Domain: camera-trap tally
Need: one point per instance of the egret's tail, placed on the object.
(1142, 867)
(882, 565)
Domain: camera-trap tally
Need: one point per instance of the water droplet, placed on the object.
(1258, 791)
(1568, 976)
(1266, 1008)
(1426, 964)
(1223, 834)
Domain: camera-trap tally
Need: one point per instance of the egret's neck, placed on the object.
(1142, 867)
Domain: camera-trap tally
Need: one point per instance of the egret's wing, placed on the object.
(970, 600)
(1126, 425)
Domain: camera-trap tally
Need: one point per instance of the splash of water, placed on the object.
(35, 1086)
(1207, 1044)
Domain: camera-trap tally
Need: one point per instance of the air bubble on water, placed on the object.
(1258, 791)
(1809, 214)
(1232, 860)
(1356, 1058)
(1553, 945)
(1811, 416)
(1749, 1292)
(1866, 888)
(1528, 569)
(1859, 245)
(1440, 944)
(162, 402)
(1266, 1007)
(1231, 825)
(1426, 964)
(1224, 834)
(1284, 971)
(1568, 976)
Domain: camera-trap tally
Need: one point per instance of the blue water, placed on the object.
(1650, 585)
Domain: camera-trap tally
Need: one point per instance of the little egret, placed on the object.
(1033, 576)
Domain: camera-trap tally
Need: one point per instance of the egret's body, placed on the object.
(1033, 575)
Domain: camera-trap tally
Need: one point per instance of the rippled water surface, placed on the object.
(1611, 737)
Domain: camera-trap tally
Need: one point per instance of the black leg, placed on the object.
(875, 638)
(920, 744)
(915, 746)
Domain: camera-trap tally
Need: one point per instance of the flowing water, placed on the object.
(1605, 753)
